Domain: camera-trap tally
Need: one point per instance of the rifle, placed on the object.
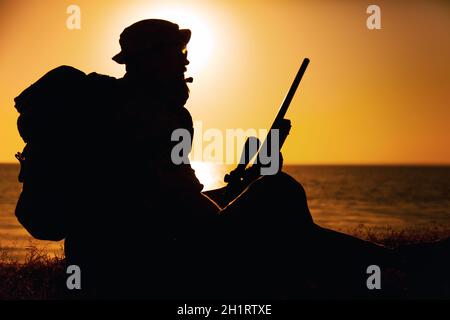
(239, 178)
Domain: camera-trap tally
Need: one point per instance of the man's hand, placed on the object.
(285, 128)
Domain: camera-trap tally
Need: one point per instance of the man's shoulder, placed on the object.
(102, 89)
(102, 81)
(94, 76)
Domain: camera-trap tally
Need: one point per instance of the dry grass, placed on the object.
(41, 277)
(394, 238)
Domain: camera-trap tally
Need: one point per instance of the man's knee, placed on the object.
(281, 183)
(282, 193)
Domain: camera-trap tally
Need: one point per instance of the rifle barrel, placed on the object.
(237, 180)
(285, 105)
(290, 95)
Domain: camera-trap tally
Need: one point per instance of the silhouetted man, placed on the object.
(137, 224)
(152, 207)
(248, 249)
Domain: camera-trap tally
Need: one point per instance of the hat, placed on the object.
(145, 34)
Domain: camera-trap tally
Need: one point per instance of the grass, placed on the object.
(394, 238)
(41, 277)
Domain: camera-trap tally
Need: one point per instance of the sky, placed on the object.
(368, 96)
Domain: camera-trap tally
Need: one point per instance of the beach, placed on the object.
(382, 203)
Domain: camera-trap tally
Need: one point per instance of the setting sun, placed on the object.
(201, 45)
(125, 171)
(243, 56)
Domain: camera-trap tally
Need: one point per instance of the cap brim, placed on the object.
(119, 58)
(185, 35)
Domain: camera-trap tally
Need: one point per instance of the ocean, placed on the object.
(339, 197)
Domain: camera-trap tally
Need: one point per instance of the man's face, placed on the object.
(166, 63)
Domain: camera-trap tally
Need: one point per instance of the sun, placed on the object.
(207, 173)
(210, 174)
(200, 47)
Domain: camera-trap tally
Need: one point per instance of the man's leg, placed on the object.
(270, 199)
(261, 235)
(273, 248)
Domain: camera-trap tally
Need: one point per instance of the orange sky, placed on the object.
(368, 96)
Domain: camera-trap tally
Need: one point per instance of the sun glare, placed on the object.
(210, 174)
(200, 47)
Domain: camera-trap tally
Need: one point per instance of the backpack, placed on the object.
(54, 125)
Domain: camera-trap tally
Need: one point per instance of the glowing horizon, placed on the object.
(368, 96)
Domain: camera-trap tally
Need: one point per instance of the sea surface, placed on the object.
(339, 197)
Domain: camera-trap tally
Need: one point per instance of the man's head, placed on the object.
(154, 48)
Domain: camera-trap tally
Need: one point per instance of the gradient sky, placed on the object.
(368, 96)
